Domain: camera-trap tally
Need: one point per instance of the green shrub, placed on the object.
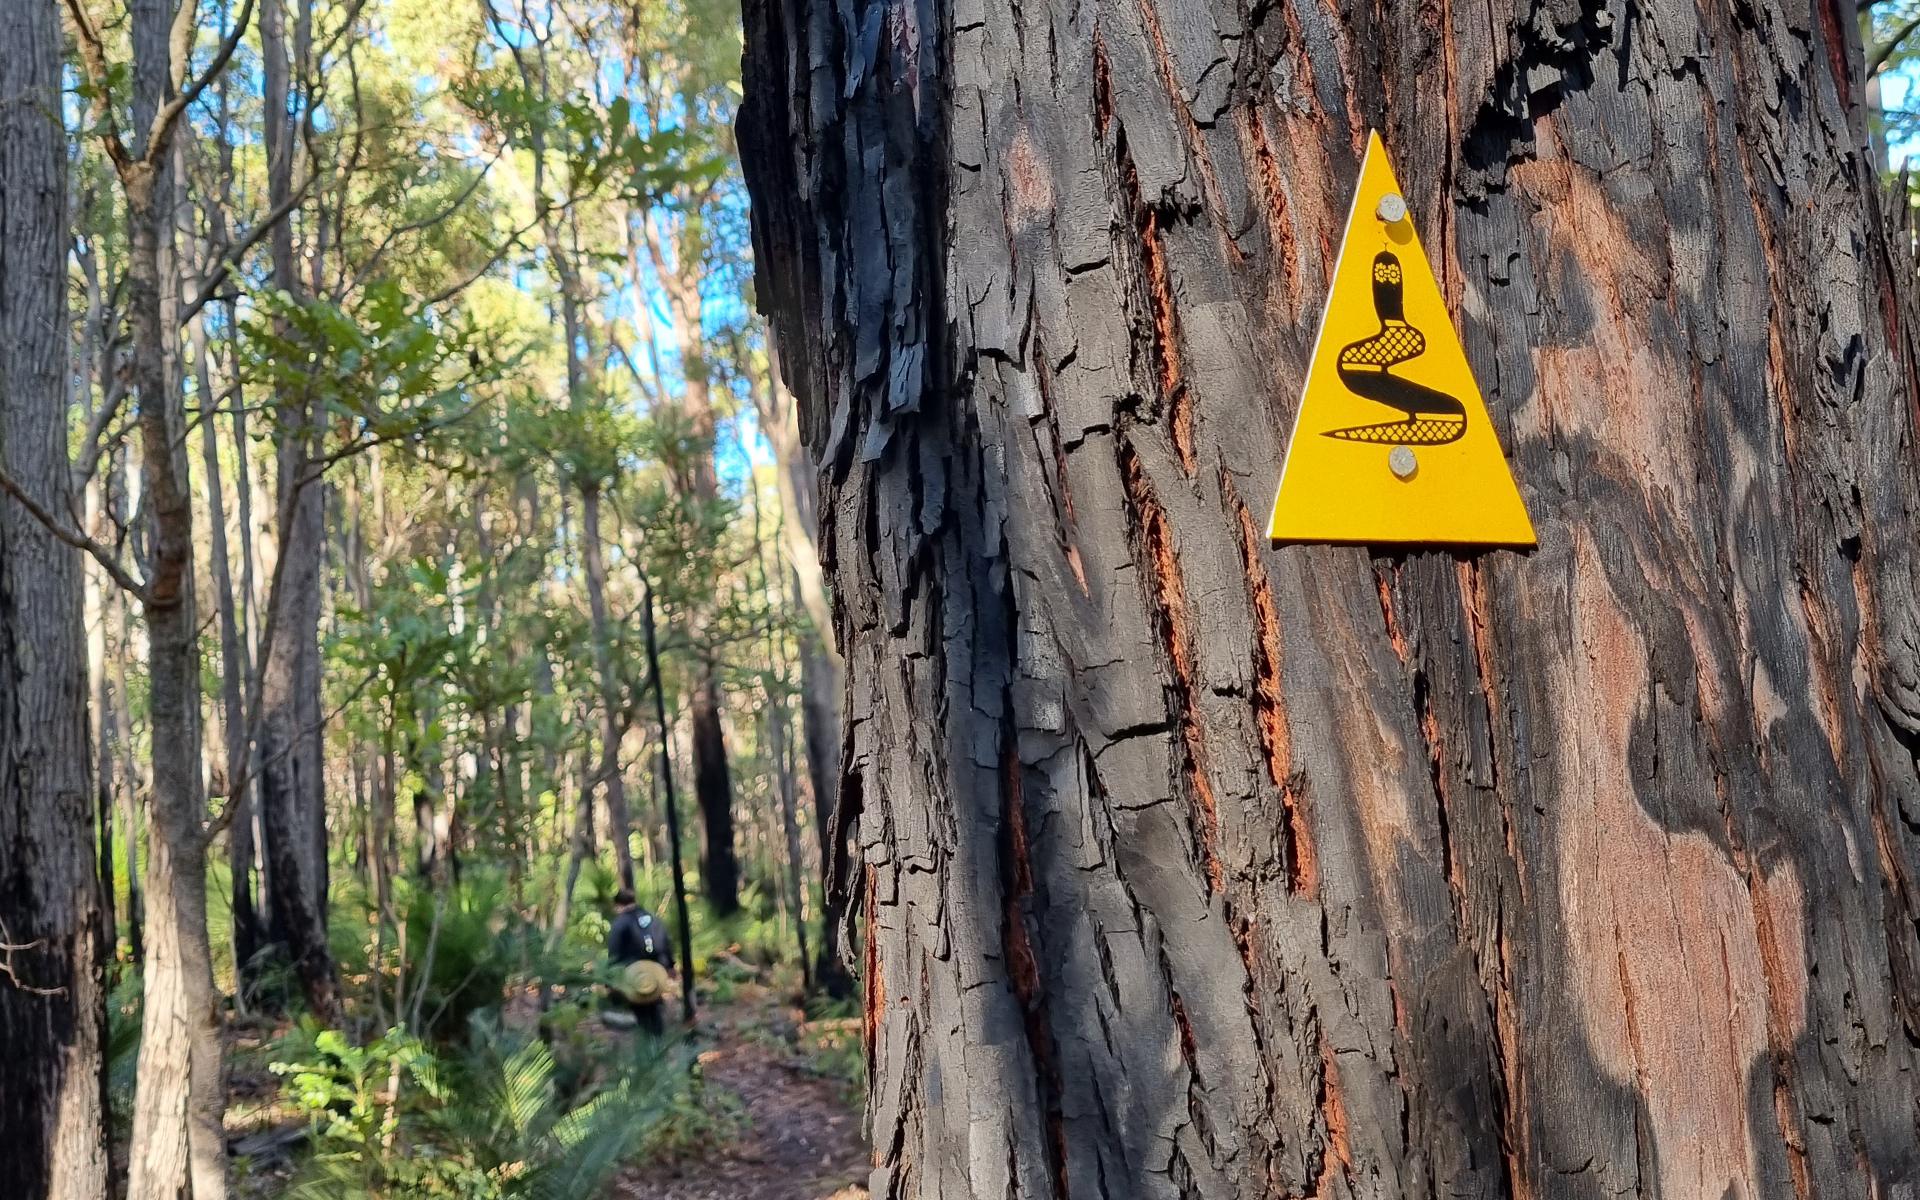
(459, 948)
(397, 1120)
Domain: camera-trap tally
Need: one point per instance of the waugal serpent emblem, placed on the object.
(1433, 418)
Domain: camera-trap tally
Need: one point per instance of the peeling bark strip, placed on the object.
(1160, 567)
(1193, 868)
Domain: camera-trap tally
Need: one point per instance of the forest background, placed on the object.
(448, 566)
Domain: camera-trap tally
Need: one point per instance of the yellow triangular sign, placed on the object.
(1392, 441)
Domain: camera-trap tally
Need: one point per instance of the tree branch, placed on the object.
(93, 58)
(230, 259)
(72, 537)
(161, 130)
(365, 269)
(7, 947)
(237, 785)
(94, 442)
(1887, 49)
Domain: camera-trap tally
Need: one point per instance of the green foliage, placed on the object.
(386, 370)
(699, 1117)
(394, 1119)
(1890, 39)
(457, 935)
(122, 1050)
(595, 146)
(350, 1092)
(833, 1049)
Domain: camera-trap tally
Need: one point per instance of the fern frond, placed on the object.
(525, 1088)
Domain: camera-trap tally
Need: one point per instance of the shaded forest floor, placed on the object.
(798, 1135)
(779, 1116)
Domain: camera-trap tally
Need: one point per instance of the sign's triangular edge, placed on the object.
(1320, 330)
(1506, 523)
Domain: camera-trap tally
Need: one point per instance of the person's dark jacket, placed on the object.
(637, 934)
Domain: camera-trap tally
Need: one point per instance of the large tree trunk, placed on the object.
(292, 786)
(1199, 868)
(52, 951)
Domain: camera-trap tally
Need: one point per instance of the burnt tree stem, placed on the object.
(681, 919)
(1195, 867)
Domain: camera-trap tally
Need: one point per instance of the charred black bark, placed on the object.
(820, 731)
(713, 792)
(1195, 867)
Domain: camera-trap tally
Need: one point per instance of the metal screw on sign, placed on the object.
(1402, 463)
(1393, 208)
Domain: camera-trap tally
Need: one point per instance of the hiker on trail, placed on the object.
(637, 945)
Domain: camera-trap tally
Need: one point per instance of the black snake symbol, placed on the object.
(1433, 418)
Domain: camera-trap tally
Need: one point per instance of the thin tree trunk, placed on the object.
(583, 843)
(248, 622)
(90, 357)
(820, 687)
(613, 708)
(52, 953)
(781, 759)
(713, 792)
(778, 747)
(433, 835)
(234, 668)
(179, 1144)
(712, 776)
(292, 785)
(682, 921)
(106, 751)
(130, 784)
(104, 866)
(1302, 871)
(249, 932)
(582, 378)
(821, 682)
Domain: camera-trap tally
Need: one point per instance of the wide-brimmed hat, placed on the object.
(645, 982)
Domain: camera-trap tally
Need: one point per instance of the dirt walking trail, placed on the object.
(801, 1138)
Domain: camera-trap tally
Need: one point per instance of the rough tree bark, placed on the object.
(52, 948)
(292, 789)
(1194, 867)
